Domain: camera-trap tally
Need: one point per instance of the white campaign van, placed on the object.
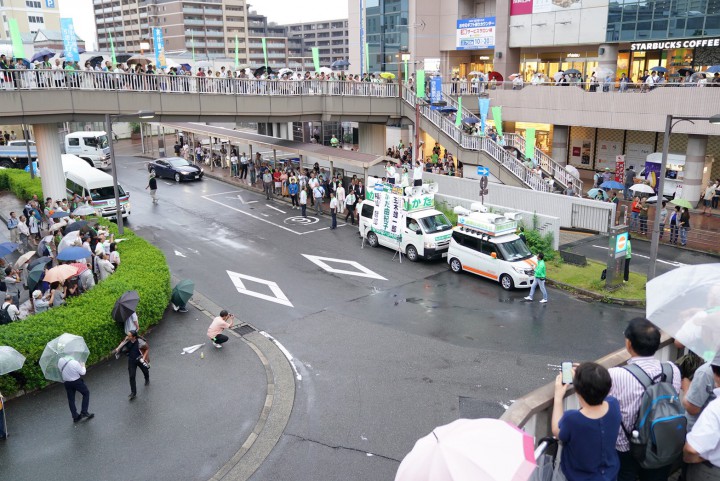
(92, 147)
(83, 180)
(421, 231)
(485, 244)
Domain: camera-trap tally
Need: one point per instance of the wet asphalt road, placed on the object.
(382, 361)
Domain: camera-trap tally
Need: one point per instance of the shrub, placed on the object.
(19, 183)
(143, 268)
(538, 242)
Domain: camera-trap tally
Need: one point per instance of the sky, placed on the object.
(279, 11)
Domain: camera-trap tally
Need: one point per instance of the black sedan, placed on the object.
(175, 168)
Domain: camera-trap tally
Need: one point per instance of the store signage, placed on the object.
(699, 42)
(475, 33)
(432, 64)
(521, 7)
(573, 55)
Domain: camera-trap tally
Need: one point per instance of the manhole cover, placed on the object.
(471, 408)
(244, 329)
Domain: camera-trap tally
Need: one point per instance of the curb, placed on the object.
(279, 401)
(595, 296)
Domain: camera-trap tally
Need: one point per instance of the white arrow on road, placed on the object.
(243, 201)
(178, 253)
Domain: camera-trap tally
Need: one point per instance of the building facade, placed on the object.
(31, 16)
(331, 37)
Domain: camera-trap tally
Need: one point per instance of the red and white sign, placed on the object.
(521, 7)
(620, 168)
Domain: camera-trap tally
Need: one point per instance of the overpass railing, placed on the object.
(129, 82)
(485, 144)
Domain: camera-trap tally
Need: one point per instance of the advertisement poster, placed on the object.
(545, 6)
(620, 168)
(431, 64)
(521, 7)
(388, 214)
(607, 151)
(581, 153)
(636, 154)
(475, 33)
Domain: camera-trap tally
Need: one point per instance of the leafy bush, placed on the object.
(143, 268)
(19, 183)
(538, 242)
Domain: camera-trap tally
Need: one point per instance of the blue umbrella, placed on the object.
(24, 61)
(611, 184)
(659, 69)
(40, 55)
(470, 120)
(594, 193)
(8, 247)
(186, 66)
(59, 214)
(572, 71)
(447, 110)
(340, 64)
(713, 69)
(74, 254)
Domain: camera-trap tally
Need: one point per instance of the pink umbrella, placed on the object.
(80, 267)
(470, 449)
(60, 273)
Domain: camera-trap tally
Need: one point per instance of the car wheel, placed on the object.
(177, 177)
(373, 239)
(412, 253)
(6, 164)
(455, 265)
(506, 282)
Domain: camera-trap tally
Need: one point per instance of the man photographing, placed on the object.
(218, 325)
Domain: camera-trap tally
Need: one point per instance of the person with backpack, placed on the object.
(9, 311)
(653, 427)
(702, 449)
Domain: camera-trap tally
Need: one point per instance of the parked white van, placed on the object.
(92, 147)
(486, 244)
(83, 180)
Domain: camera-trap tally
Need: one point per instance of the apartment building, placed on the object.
(331, 37)
(31, 16)
(258, 27)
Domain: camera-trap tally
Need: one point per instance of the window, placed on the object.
(74, 142)
(488, 249)
(367, 210)
(35, 19)
(33, 4)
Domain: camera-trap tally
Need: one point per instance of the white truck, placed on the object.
(14, 154)
(418, 230)
(92, 147)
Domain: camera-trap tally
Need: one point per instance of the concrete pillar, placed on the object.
(50, 160)
(372, 138)
(560, 144)
(506, 60)
(693, 170)
(607, 58)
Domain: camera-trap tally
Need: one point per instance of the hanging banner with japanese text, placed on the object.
(69, 39)
(159, 43)
(388, 216)
(484, 106)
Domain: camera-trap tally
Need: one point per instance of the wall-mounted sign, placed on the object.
(698, 42)
(431, 64)
(573, 55)
(475, 33)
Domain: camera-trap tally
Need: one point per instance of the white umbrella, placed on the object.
(84, 210)
(69, 240)
(66, 345)
(558, 75)
(10, 360)
(24, 258)
(572, 171)
(474, 72)
(57, 226)
(285, 70)
(685, 303)
(470, 449)
(203, 64)
(644, 188)
(325, 70)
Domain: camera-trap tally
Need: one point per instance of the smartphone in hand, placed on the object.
(567, 372)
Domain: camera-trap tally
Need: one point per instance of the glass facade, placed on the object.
(636, 21)
(386, 31)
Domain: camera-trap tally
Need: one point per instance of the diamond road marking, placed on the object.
(279, 296)
(361, 271)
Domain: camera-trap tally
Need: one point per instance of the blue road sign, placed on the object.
(483, 171)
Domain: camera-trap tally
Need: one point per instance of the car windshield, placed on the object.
(436, 223)
(514, 250)
(105, 193)
(102, 141)
(178, 162)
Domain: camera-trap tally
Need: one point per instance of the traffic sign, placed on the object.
(483, 171)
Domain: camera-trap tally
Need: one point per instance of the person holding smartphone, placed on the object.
(588, 434)
(218, 325)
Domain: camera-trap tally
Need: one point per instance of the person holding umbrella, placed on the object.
(124, 311)
(181, 294)
(10, 360)
(136, 349)
(72, 372)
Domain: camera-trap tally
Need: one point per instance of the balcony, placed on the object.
(203, 11)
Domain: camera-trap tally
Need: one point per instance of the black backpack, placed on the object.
(5, 315)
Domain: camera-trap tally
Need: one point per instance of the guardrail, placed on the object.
(461, 88)
(38, 79)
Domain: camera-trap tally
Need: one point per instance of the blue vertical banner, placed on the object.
(159, 44)
(435, 91)
(484, 107)
(69, 39)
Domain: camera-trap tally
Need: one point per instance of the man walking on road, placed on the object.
(350, 201)
(218, 325)
(152, 185)
(72, 373)
(539, 280)
(132, 346)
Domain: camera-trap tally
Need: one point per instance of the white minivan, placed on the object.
(486, 245)
(83, 180)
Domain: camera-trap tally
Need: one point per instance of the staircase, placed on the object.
(507, 163)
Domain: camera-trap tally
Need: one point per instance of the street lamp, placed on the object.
(143, 115)
(670, 122)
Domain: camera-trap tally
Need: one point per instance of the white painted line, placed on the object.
(223, 193)
(361, 271)
(178, 253)
(316, 230)
(670, 263)
(275, 208)
(287, 354)
(279, 296)
(250, 215)
(168, 183)
(191, 349)
(262, 213)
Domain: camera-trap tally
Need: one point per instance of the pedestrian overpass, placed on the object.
(37, 99)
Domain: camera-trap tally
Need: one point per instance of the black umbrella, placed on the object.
(34, 277)
(339, 64)
(40, 260)
(77, 225)
(95, 61)
(125, 306)
(123, 57)
(686, 71)
(262, 70)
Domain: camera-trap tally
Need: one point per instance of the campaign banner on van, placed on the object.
(388, 214)
(69, 39)
(159, 43)
(475, 33)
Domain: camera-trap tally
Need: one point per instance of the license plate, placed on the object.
(444, 254)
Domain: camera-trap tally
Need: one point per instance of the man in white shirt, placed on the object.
(233, 165)
(11, 308)
(333, 210)
(243, 166)
(72, 373)
(417, 174)
(702, 449)
(390, 173)
(318, 193)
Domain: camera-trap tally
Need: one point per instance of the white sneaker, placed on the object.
(175, 308)
(543, 301)
(219, 346)
(528, 298)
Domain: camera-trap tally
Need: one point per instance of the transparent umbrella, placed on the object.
(67, 345)
(84, 210)
(10, 360)
(685, 303)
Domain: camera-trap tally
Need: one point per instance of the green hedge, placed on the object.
(143, 268)
(19, 183)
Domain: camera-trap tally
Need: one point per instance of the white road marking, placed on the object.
(279, 296)
(275, 208)
(206, 197)
(243, 201)
(670, 263)
(287, 354)
(191, 349)
(264, 214)
(168, 183)
(361, 271)
(178, 253)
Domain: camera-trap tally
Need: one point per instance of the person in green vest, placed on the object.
(539, 280)
(628, 256)
(334, 142)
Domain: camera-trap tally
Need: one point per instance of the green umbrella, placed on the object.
(682, 203)
(66, 346)
(34, 277)
(10, 360)
(182, 292)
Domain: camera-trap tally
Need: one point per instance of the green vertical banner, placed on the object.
(17, 44)
(406, 71)
(458, 114)
(367, 58)
(264, 44)
(237, 54)
(420, 83)
(112, 51)
(530, 143)
(497, 118)
(316, 58)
